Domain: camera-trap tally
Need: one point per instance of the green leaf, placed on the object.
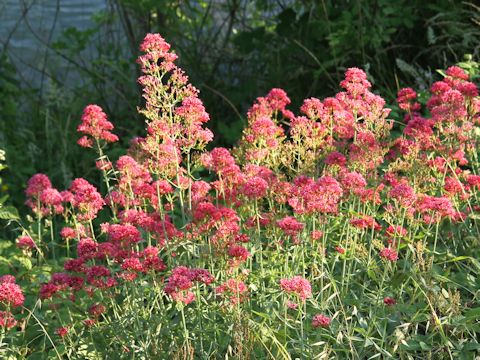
(9, 213)
(473, 313)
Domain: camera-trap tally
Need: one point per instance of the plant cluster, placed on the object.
(319, 236)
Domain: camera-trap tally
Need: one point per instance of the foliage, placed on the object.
(320, 235)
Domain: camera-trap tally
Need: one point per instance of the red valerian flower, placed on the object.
(290, 225)
(321, 320)
(404, 194)
(238, 252)
(365, 222)
(86, 199)
(62, 331)
(389, 301)
(96, 310)
(436, 208)
(68, 233)
(310, 196)
(41, 197)
(7, 321)
(154, 43)
(25, 242)
(255, 188)
(298, 286)
(87, 248)
(7, 279)
(340, 249)
(95, 124)
(457, 72)
(234, 289)
(389, 254)
(182, 279)
(313, 108)
(406, 100)
(89, 322)
(10, 293)
(37, 184)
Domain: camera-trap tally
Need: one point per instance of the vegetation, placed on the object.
(319, 236)
(335, 218)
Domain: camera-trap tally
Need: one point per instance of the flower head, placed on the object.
(389, 301)
(298, 286)
(389, 254)
(321, 320)
(95, 125)
(11, 294)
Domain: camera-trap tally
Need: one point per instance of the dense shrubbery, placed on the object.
(319, 236)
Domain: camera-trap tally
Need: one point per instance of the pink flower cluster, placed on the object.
(235, 290)
(95, 125)
(42, 198)
(310, 196)
(297, 286)
(389, 254)
(321, 320)
(182, 280)
(26, 243)
(11, 295)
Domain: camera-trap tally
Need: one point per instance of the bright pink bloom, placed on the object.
(336, 158)
(182, 279)
(292, 305)
(355, 82)
(10, 293)
(37, 184)
(103, 165)
(25, 242)
(309, 196)
(255, 188)
(7, 279)
(234, 289)
(290, 225)
(277, 99)
(95, 124)
(406, 100)
(404, 194)
(389, 254)
(7, 321)
(353, 182)
(48, 290)
(238, 252)
(436, 208)
(313, 108)
(316, 235)
(87, 248)
(457, 72)
(62, 331)
(122, 234)
(473, 180)
(68, 233)
(365, 222)
(321, 320)
(298, 286)
(132, 264)
(154, 43)
(86, 199)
